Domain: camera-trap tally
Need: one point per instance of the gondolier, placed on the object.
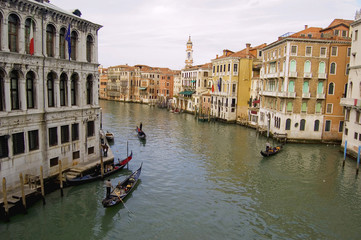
(109, 186)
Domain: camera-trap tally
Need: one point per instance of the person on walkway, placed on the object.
(105, 150)
(141, 125)
(109, 186)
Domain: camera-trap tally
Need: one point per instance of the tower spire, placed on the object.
(189, 51)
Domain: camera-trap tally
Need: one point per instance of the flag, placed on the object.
(31, 38)
(68, 39)
(212, 88)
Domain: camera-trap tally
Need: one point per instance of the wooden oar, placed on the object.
(124, 203)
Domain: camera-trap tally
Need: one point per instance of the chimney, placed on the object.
(306, 26)
(248, 46)
(225, 52)
(216, 56)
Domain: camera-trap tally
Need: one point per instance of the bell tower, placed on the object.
(189, 51)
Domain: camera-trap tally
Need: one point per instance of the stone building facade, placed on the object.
(48, 89)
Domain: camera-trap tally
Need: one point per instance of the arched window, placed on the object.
(307, 67)
(89, 90)
(289, 107)
(304, 107)
(305, 87)
(331, 88)
(63, 87)
(347, 68)
(318, 107)
(291, 86)
(30, 90)
(62, 43)
(89, 48)
(50, 84)
(320, 87)
(13, 33)
(74, 89)
(322, 67)
(2, 103)
(14, 90)
(302, 125)
(29, 36)
(293, 66)
(73, 45)
(333, 68)
(316, 126)
(50, 40)
(288, 124)
(351, 85)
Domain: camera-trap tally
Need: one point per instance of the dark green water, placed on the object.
(204, 181)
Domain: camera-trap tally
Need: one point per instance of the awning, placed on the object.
(142, 88)
(187, 92)
(256, 101)
(193, 81)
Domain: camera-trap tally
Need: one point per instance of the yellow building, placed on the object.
(232, 74)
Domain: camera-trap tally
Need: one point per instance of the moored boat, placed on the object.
(108, 170)
(141, 134)
(123, 189)
(109, 136)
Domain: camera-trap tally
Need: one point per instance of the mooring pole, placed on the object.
(61, 178)
(101, 160)
(22, 192)
(127, 156)
(6, 205)
(42, 184)
(358, 159)
(344, 154)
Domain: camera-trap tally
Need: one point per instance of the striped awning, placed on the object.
(187, 92)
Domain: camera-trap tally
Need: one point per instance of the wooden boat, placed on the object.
(141, 134)
(271, 151)
(109, 136)
(122, 190)
(96, 175)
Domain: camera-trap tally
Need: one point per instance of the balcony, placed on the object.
(306, 95)
(282, 94)
(282, 74)
(351, 102)
(322, 75)
(320, 96)
(271, 75)
(269, 93)
(307, 75)
(292, 74)
(291, 94)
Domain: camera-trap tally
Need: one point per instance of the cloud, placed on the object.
(155, 32)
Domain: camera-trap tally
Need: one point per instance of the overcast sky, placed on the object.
(155, 32)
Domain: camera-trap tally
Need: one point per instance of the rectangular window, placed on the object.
(33, 137)
(344, 33)
(355, 136)
(4, 149)
(91, 129)
(294, 50)
(346, 131)
(18, 143)
(235, 68)
(356, 33)
(357, 117)
(348, 52)
(340, 127)
(336, 32)
(328, 125)
(54, 162)
(64, 134)
(329, 108)
(234, 88)
(91, 150)
(334, 51)
(308, 51)
(76, 155)
(323, 52)
(53, 136)
(75, 131)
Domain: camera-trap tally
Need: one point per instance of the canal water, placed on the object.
(203, 181)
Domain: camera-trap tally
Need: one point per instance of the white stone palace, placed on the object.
(49, 107)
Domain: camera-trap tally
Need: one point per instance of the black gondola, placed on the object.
(141, 134)
(122, 190)
(271, 151)
(96, 175)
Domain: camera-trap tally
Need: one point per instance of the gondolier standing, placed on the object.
(109, 186)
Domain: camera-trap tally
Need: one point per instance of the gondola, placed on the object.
(123, 189)
(141, 134)
(96, 175)
(271, 151)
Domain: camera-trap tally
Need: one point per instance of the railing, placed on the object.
(320, 96)
(269, 93)
(307, 75)
(291, 94)
(306, 95)
(322, 75)
(292, 74)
